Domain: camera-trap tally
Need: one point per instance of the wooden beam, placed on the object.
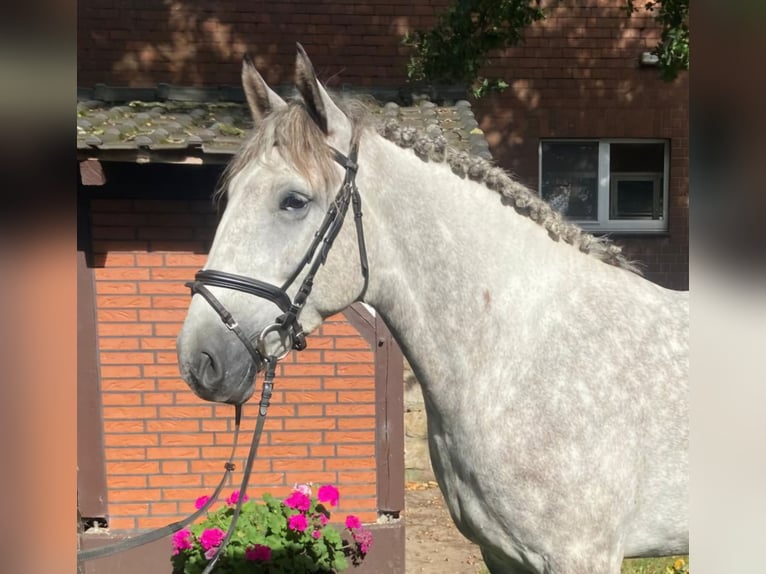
(148, 156)
(389, 423)
(92, 172)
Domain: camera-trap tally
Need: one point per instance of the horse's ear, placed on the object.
(261, 98)
(328, 116)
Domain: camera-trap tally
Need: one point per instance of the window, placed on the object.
(607, 185)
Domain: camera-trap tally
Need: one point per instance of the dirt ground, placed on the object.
(433, 544)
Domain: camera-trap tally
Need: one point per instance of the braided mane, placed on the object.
(431, 145)
(296, 136)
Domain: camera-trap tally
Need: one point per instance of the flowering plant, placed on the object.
(289, 536)
(680, 566)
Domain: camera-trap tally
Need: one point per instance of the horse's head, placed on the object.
(279, 189)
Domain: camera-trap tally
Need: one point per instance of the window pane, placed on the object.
(635, 199)
(569, 178)
(641, 157)
(636, 180)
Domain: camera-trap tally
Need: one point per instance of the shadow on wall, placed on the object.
(183, 42)
(149, 208)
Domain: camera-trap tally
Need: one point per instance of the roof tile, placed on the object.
(213, 122)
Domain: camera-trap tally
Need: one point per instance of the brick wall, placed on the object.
(142, 43)
(577, 75)
(164, 447)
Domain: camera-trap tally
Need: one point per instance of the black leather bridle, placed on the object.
(287, 326)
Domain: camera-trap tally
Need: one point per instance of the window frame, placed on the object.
(603, 222)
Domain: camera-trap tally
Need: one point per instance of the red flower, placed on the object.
(353, 522)
(182, 540)
(298, 522)
(234, 498)
(211, 538)
(258, 553)
(328, 493)
(298, 500)
(363, 538)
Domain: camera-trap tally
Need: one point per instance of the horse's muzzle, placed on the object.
(214, 365)
(212, 381)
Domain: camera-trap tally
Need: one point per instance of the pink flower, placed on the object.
(209, 553)
(328, 493)
(182, 540)
(316, 534)
(299, 501)
(363, 538)
(234, 498)
(353, 522)
(258, 553)
(303, 489)
(201, 501)
(323, 520)
(211, 538)
(298, 522)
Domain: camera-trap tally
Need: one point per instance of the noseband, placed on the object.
(287, 326)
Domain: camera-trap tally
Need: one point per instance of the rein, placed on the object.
(286, 325)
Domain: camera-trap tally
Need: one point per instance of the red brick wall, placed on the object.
(164, 446)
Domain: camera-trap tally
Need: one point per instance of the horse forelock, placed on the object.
(298, 140)
(433, 147)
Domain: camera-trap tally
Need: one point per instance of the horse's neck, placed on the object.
(453, 272)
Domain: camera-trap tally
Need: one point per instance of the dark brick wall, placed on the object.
(143, 42)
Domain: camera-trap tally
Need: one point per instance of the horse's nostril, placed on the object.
(210, 373)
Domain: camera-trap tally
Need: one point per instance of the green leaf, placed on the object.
(339, 562)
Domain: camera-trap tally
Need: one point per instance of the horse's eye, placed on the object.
(293, 202)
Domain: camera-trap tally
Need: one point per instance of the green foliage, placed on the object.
(458, 47)
(673, 49)
(265, 541)
(664, 565)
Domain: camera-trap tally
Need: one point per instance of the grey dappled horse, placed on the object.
(554, 376)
